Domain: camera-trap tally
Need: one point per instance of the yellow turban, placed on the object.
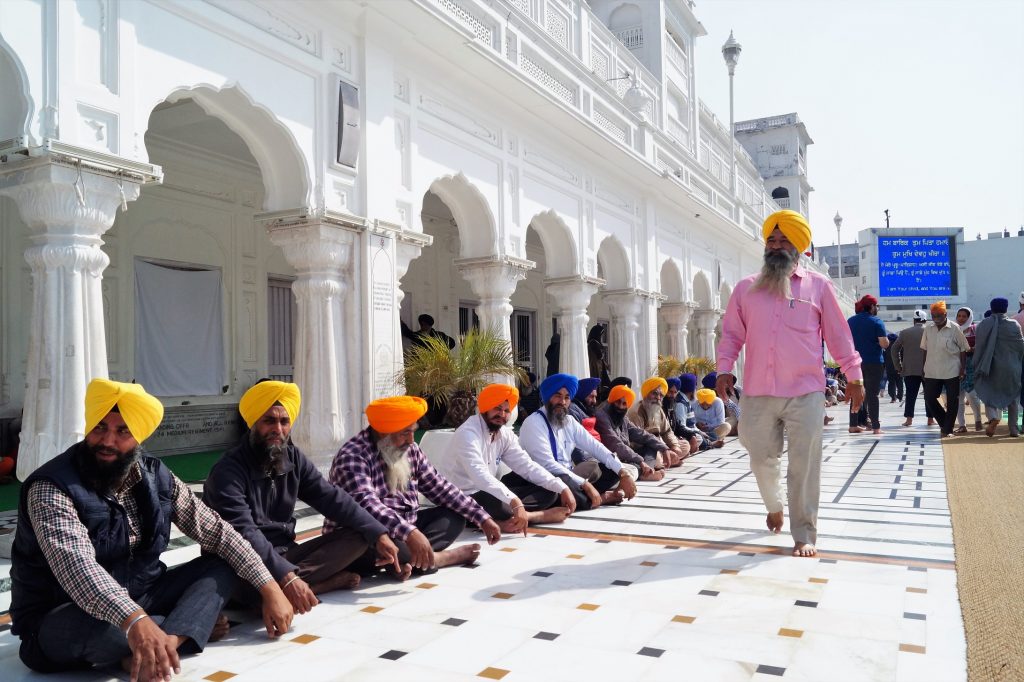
(792, 224)
(938, 308)
(264, 395)
(706, 396)
(495, 394)
(653, 383)
(390, 415)
(622, 392)
(141, 411)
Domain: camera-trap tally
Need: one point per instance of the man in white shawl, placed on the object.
(998, 354)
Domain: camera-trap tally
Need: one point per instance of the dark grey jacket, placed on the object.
(906, 351)
(617, 434)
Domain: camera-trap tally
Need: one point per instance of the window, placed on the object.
(467, 317)
(524, 339)
(280, 329)
(179, 328)
(780, 193)
(778, 149)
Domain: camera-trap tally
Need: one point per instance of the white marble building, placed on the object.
(536, 162)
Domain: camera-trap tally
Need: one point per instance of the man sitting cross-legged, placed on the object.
(526, 495)
(649, 416)
(255, 486)
(617, 433)
(88, 587)
(549, 435)
(384, 470)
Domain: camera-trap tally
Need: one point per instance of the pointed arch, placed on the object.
(560, 253)
(724, 292)
(478, 234)
(702, 291)
(614, 263)
(16, 104)
(280, 158)
(672, 281)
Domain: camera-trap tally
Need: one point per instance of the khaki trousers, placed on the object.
(765, 418)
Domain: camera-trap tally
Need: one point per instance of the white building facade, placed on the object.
(194, 195)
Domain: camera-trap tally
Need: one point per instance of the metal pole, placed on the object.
(839, 251)
(732, 138)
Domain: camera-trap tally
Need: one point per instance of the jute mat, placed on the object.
(985, 483)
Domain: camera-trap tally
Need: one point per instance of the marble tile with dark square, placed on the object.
(770, 670)
(651, 651)
(547, 636)
(454, 622)
(808, 604)
(393, 655)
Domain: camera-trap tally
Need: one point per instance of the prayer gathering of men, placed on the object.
(648, 414)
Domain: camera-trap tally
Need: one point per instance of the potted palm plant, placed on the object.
(669, 366)
(453, 378)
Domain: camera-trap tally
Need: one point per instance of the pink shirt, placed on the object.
(783, 337)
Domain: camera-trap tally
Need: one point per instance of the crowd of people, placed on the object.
(958, 362)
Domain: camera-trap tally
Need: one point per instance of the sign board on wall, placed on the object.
(919, 265)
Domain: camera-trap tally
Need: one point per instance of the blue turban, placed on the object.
(556, 382)
(709, 380)
(999, 305)
(687, 383)
(891, 337)
(673, 382)
(587, 386)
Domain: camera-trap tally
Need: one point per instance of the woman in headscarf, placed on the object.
(965, 319)
(597, 350)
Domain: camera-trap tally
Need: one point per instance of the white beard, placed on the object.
(397, 469)
(775, 274)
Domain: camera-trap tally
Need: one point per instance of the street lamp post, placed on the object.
(838, 220)
(731, 52)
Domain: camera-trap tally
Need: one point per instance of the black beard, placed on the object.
(492, 427)
(269, 458)
(557, 414)
(616, 412)
(106, 478)
(587, 409)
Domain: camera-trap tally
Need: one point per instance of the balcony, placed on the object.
(632, 37)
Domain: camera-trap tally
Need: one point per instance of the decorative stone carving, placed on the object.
(705, 322)
(68, 206)
(494, 280)
(571, 296)
(677, 317)
(625, 307)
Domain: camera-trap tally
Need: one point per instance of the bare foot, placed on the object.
(877, 432)
(804, 549)
(855, 429)
(653, 476)
(774, 521)
(909, 421)
(553, 515)
(343, 580)
(220, 628)
(829, 420)
(400, 576)
(718, 443)
(509, 526)
(931, 422)
(612, 497)
(466, 554)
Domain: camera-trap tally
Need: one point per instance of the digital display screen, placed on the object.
(923, 265)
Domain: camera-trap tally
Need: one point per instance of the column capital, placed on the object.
(677, 313)
(494, 277)
(573, 293)
(320, 244)
(623, 302)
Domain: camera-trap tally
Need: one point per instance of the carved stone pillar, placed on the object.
(677, 317)
(328, 352)
(494, 280)
(571, 296)
(706, 321)
(68, 205)
(625, 307)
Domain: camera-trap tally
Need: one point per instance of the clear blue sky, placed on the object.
(916, 106)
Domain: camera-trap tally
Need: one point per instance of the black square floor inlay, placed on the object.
(623, 583)
(454, 622)
(809, 604)
(542, 574)
(471, 566)
(393, 655)
(652, 652)
(828, 561)
(546, 636)
(603, 542)
(770, 670)
(708, 593)
(914, 616)
(922, 569)
(671, 546)
(747, 554)
(538, 535)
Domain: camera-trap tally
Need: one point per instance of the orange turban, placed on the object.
(141, 411)
(495, 394)
(706, 396)
(264, 395)
(622, 392)
(653, 383)
(390, 415)
(939, 308)
(792, 224)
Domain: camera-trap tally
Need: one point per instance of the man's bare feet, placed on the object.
(343, 580)
(612, 497)
(653, 475)
(400, 576)
(876, 431)
(909, 421)
(829, 420)
(718, 443)
(553, 515)
(990, 428)
(855, 429)
(804, 549)
(931, 422)
(466, 554)
(774, 521)
(220, 628)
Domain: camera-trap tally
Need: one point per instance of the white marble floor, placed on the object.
(683, 582)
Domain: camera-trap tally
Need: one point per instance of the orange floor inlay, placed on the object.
(372, 609)
(786, 632)
(683, 619)
(819, 581)
(426, 586)
(304, 639)
(917, 590)
(588, 607)
(492, 673)
(729, 571)
(219, 676)
(502, 595)
(912, 648)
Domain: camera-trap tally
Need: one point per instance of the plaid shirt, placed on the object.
(358, 469)
(65, 543)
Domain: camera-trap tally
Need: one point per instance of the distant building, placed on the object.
(778, 147)
(851, 259)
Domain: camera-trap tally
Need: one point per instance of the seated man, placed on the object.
(384, 470)
(526, 495)
(550, 436)
(88, 587)
(583, 405)
(731, 403)
(648, 415)
(710, 413)
(617, 433)
(255, 485)
(686, 399)
(677, 418)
